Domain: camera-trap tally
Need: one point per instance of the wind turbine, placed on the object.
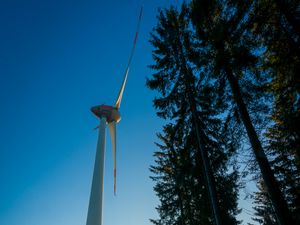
(109, 116)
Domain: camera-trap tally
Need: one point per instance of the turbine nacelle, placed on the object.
(111, 113)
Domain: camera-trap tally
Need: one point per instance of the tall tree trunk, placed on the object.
(206, 164)
(279, 204)
(202, 150)
(209, 178)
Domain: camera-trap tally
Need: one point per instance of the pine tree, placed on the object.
(223, 27)
(176, 79)
(280, 36)
(242, 52)
(173, 177)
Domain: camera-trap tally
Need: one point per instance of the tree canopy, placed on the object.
(226, 70)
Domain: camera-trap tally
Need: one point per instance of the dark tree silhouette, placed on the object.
(176, 80)
(222, 27)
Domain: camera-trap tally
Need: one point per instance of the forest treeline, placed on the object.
(226, 74)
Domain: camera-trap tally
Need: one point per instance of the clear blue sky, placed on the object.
(57, 59)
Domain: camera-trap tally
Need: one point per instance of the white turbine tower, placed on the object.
(110, 116)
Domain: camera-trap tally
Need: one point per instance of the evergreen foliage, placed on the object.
(280, 35)
(180, 182)
(264, 212)
(236, 64)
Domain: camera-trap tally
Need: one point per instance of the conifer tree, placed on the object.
(222, 25)
(223, 67)
(174, 55)
(273, 22)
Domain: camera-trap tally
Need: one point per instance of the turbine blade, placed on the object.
(112, 131)
(118, 101)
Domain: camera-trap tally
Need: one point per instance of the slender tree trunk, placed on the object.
(206, 165)
(209, 178)
(279, 204)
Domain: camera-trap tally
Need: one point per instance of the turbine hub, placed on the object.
(109, 112)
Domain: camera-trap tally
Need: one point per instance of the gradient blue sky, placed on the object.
(57, 59)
